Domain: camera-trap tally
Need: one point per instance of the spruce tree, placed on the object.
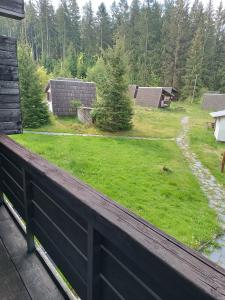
(192, 78)
(114, 109)
(34, 110)
(218, 70)
(209, 47)
(104, 31)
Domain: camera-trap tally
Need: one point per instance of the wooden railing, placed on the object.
(103, 250)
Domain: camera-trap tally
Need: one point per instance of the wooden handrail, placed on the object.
(103, 250)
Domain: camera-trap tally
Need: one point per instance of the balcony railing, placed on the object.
(103, 250)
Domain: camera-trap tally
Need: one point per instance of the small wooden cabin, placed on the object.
(213, 102)
(173, 92)
(153, 97)
(219, 132)
(10, 114)
(61, 91)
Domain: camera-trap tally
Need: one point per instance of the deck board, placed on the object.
(22, 275)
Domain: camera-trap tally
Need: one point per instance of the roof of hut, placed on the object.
(215, 102)
(61, 79)
(150, 96)
(218, 114)
(171, 90)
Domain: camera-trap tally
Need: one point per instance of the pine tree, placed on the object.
(134, 41)
(218, 71)
(192, 78)
(209, 45)
(74, 31)
(88, 30)
(34, 110)
(104, 32)
(194, 66)
(176, 42)
(114, 110)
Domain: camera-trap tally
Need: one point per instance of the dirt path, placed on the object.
(213, 191)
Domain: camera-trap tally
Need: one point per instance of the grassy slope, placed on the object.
(130, 172)
(147, 123)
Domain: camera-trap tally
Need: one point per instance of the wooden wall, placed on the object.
(12, 9)
(10, 115)
(64, 91)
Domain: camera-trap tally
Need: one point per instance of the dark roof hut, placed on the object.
(153, 97)
(172, 91)
(61, 91)
(213, 102)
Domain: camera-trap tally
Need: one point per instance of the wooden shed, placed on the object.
(61, 91)
(153, 97)
(173, 92)
(10, 114)
(219, 132)
(213, 102)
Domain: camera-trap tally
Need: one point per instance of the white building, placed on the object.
(219, 133)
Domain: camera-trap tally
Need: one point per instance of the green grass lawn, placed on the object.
(164, 123)
(130, 172)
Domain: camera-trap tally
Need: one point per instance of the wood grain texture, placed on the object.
(10, 114)
(22, 275)
(13, 9)
(127, 257)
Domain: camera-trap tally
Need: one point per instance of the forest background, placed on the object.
(166, 44)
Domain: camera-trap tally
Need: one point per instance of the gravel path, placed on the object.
(213, 191)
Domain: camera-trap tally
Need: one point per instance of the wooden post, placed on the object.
(1, 198)
(28, 212)
(223, 163)
(93, 264)
(194, 89)
(1, 178)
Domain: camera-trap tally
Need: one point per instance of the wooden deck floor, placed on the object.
(22, 275)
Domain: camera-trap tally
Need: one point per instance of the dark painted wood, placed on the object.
(31, 275)
(27, 194)
(12, 9)
(10, 114)
(94, 263)
(125, 257)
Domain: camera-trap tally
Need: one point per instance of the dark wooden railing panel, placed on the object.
(12, 9)
(103, 250)
(56, 252)
(57, 215)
